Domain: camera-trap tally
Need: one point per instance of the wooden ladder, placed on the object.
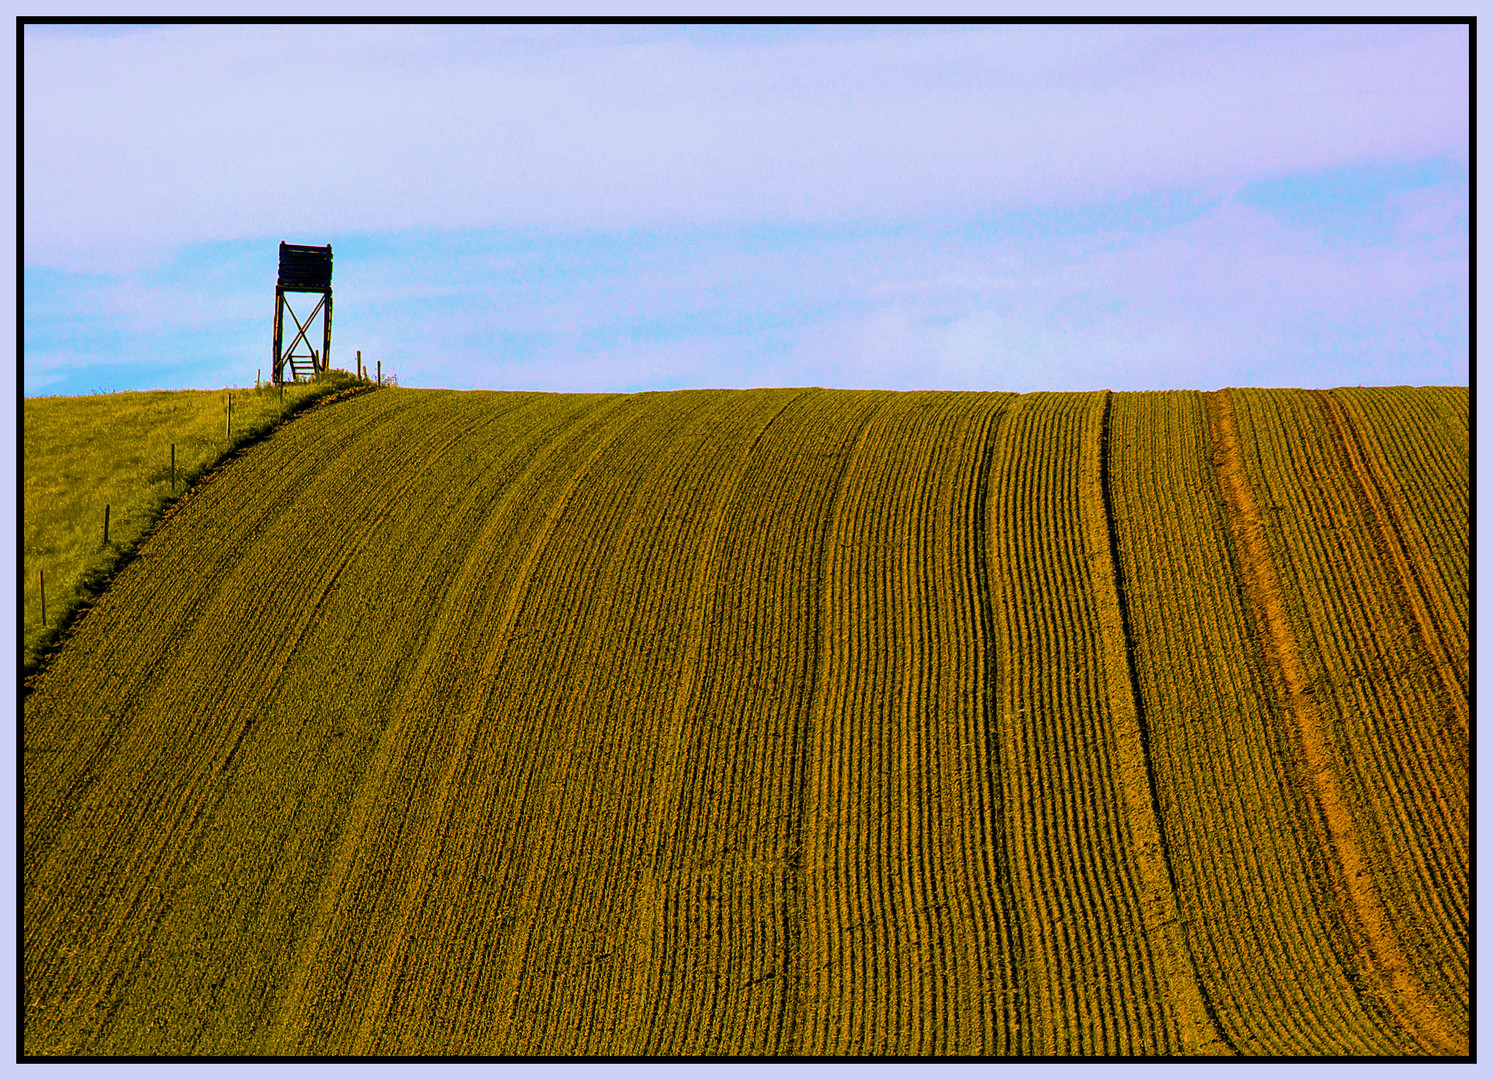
(302, 365)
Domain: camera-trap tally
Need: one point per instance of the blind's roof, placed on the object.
(304, 267)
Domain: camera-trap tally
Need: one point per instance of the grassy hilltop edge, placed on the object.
(783, 721)
(83, 453)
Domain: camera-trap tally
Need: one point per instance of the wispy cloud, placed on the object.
(189, 134)
(1236, 295)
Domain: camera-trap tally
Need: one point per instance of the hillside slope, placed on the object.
(85, 453)
(779, 721)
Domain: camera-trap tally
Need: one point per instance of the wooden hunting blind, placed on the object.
(303, 269)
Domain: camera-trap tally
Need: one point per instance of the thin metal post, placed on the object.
(106, 523)
(173, 468)
(42, 577)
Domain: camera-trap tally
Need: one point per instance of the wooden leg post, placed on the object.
(326, 336)
(278, 374)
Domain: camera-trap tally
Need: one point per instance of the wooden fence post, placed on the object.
(106, 523)
(381, 371)
(42, 577)
(228, 417)
(360, 364)
(173, 468)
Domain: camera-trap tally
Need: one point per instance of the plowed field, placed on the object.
(774, 722)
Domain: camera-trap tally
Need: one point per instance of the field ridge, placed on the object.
(791, 963)
(1401, 542)
(1011, 1004)
(1385, 963)
(1201, 1029)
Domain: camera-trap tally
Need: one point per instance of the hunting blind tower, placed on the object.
(303, 269)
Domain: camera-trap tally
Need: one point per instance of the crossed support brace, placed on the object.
(316, 361)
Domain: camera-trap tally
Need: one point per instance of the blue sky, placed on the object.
(639, 208)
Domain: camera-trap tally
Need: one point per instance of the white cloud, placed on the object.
(187, 134)
(1235, 296)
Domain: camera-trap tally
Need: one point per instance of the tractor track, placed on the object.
(1146, 816)
(1385, 964)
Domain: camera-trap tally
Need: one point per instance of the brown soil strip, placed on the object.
(1399, 541)
(1381, 958)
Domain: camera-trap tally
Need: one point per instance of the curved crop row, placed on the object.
(1096, 982)
(212, 750)
(1253, 893)
(1415, 451)
(1389, 721)
(361, 978)
(915, 945)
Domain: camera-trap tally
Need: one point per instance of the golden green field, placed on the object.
(804, 722)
